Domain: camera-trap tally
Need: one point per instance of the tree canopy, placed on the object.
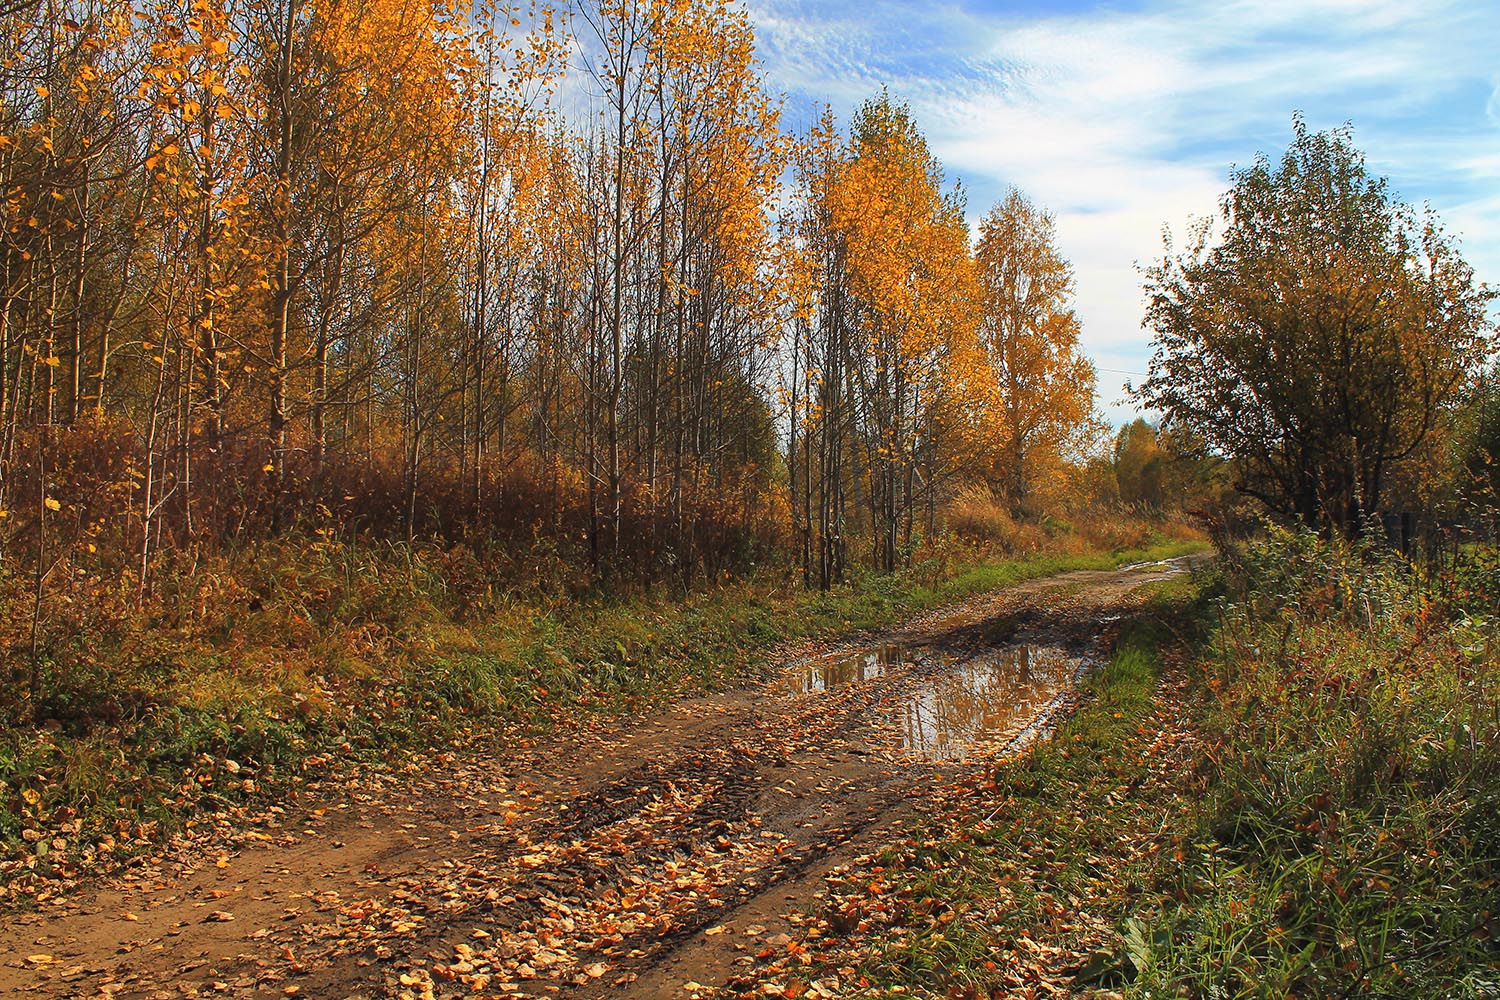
(294, 264)
(1317, 333)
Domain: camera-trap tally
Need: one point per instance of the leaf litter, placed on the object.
(602, 861)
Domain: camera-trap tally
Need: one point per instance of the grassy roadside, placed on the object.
(1291, 791)
(1016, 883)
(1350, 845)
(204, 730)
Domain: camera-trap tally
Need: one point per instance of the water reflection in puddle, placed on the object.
(834, 672)
(983, 698)
(1137, 567)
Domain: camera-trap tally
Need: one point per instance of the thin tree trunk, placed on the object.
(281, 284)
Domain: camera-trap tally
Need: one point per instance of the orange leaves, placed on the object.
(906, 248)
(1036, 386)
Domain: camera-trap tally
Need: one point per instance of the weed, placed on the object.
(248, 669)
(1347, 847)
(1305, 806)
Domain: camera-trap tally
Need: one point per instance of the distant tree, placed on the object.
(1479, 444)
(1317, 337)
(1139, 465)
(1029, 333)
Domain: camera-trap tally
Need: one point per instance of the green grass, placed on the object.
(364, 658)
(1022, 854)
(1307, 804)
(1351, 841)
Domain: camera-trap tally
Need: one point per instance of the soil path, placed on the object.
(634, 860)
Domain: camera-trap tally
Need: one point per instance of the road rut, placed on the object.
(638, 858)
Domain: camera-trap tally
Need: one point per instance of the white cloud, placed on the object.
(1122, 122)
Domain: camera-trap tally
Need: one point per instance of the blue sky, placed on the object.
(1125, 117)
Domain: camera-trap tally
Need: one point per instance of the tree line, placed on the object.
(501, 273)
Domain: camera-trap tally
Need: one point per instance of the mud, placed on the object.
(630, 860)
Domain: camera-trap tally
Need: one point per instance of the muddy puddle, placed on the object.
(975, 699)
(834, 672)
(982, 700)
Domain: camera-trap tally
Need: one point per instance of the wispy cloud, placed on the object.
(1125, 120)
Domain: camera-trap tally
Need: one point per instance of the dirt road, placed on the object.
(636, 860)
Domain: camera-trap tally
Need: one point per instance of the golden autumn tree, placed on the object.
(679, 171)
(360, 125)
(503, 192)
(68, 170)
(552, 224)
(1043, 387)
(197, 188)
(910, 280)
(812, 384)
(882, 355)
(720, 160)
